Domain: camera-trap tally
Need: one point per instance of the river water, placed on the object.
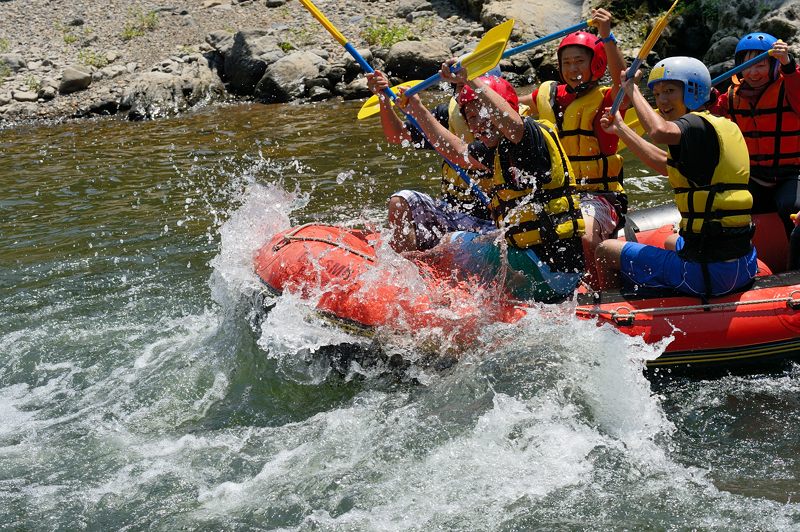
(138, 392)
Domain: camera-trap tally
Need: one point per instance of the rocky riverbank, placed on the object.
(154, 58)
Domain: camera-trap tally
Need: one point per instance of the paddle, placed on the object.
(643, 51)
(547, 38)
(371, 106)
(388, 91)
(484, 58)
(735, 70)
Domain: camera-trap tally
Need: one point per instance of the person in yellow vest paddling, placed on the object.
(575, 107)
(416, 219)
(708, 168)
(536, 252)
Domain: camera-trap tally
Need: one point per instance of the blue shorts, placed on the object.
(654, 267)
(434, 218)
(482, 257)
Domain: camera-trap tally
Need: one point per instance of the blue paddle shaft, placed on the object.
(390, 93)
(547, 38)
(621, 93)
(508, 53)
(737, 69)
(436, 78)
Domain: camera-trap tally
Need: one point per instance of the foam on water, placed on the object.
(132, 398)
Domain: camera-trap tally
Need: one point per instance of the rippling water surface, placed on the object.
(137, 391)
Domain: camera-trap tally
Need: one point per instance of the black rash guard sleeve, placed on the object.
(697, 155)
(442, 115)
(525, 164)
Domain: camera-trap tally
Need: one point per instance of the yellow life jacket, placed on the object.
(454, 189)
(516, 208)
(716, 217)
(596, 171)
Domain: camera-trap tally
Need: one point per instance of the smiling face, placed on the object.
(669, 99)
(477, 116)
(757, 75)
(576, 65)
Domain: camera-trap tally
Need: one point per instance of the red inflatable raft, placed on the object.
(751, 330)
(748, 330)
(337, 267)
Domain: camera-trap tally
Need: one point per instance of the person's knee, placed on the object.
(607, 252)
(398, 207)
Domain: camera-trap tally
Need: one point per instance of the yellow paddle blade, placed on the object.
(632, 121)
(489, 50)
(372, 106)
(655, 34)
(324, 21)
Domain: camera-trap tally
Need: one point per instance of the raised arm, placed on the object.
(450, 146)
(648, 153)
(394, 129)
(601, 19)
(501, 114)
(791, 75)
(659, 130)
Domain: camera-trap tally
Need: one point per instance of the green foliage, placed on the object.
(139, 24)
(66, 33)
(302, 36)
(5, 71)
(381, 32)
(285, 46)
(92, 58)
(33, 84)
(4, 45)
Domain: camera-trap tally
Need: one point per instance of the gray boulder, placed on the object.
(406, 7)
(251, 52)
(221, 41)
(75, 78)
(533, 18)
(14, 62)
(417, 59)
(721, 51)
(159, 94)
(285, 79)
(783, 22)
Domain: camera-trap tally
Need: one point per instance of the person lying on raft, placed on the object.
(575, 106)
(764, 101)
(417, 220)
(708, 169)
(533, 199)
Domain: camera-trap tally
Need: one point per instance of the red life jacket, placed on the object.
(771, 130)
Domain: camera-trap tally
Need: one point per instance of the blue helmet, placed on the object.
(760, 42)
(689, 71)
(756, 42)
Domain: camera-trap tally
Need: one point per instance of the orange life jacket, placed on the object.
(771, 130)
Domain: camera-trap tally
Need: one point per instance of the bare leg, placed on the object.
(590, 241)
(404, 238)
(608, 255)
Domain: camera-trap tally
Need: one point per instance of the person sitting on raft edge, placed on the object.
(533, 200)
(764, 101)
(708, 168)
(575, 105)
(416, 219)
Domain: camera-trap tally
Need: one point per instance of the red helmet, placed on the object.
(595, 46)
(498, 85)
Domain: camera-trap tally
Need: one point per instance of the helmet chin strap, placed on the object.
(581, 88)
